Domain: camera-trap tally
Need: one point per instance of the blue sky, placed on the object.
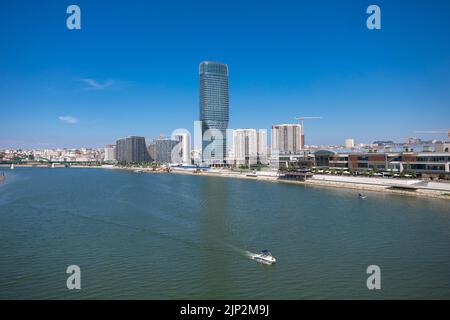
(133, 68)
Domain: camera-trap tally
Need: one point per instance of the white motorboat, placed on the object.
(264, 257)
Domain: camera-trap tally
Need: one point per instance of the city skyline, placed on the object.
(70, 89)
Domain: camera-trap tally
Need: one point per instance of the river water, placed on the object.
(170, 236)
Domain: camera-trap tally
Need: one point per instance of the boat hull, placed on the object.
(264, 260)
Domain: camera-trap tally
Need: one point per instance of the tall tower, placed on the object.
(214, 110)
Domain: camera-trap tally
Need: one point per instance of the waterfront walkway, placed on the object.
(387, 182)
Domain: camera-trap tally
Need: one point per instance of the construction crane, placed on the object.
(301, 119)
(435, 132)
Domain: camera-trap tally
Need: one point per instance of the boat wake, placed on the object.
(250, 255)
(215, 245)
(246, 253)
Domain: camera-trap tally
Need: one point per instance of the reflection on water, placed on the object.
(180, 236)
(213, 217)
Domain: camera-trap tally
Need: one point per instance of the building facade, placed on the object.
(286, 138)
(132, 149)
(185, 148)
(163, 150)
(245, 147)
(110, 153)
(423, 164)
(443, 147)
(152, 151)
(349, 143)
(262, 146)
(214, 111)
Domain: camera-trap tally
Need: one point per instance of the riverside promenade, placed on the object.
(410, 187)
(415, 187)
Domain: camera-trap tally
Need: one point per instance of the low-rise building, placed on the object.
(425, 164)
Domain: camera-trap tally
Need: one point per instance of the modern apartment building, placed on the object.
(152, 150)
(163, 150)
(286, 138)
(245, 146)
(262, 146)
(132, 149)
(110, 153)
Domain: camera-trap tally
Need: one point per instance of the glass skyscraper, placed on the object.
(214, 110)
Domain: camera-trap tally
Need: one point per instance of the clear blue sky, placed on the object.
(133, 68)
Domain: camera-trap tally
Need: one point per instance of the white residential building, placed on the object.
(110, 153)
(287, 138)
(349, 143)
(262, 146)
(245, 146)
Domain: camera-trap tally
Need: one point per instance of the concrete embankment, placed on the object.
(402, 187)
(394, 186)
(408, 188)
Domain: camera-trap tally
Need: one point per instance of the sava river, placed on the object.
(171, 236)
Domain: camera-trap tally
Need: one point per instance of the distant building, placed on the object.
(214, 111)
(303, 159)
(163, 150)
(152, 151)
(349, 143)
(185, 147)
(287, 138)
(424, 164)
(249, 147)
(132, 150)
(110, 153)
(245, 146)
(443, 147)
(382, 143)
(196, 155)
(262, 146)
